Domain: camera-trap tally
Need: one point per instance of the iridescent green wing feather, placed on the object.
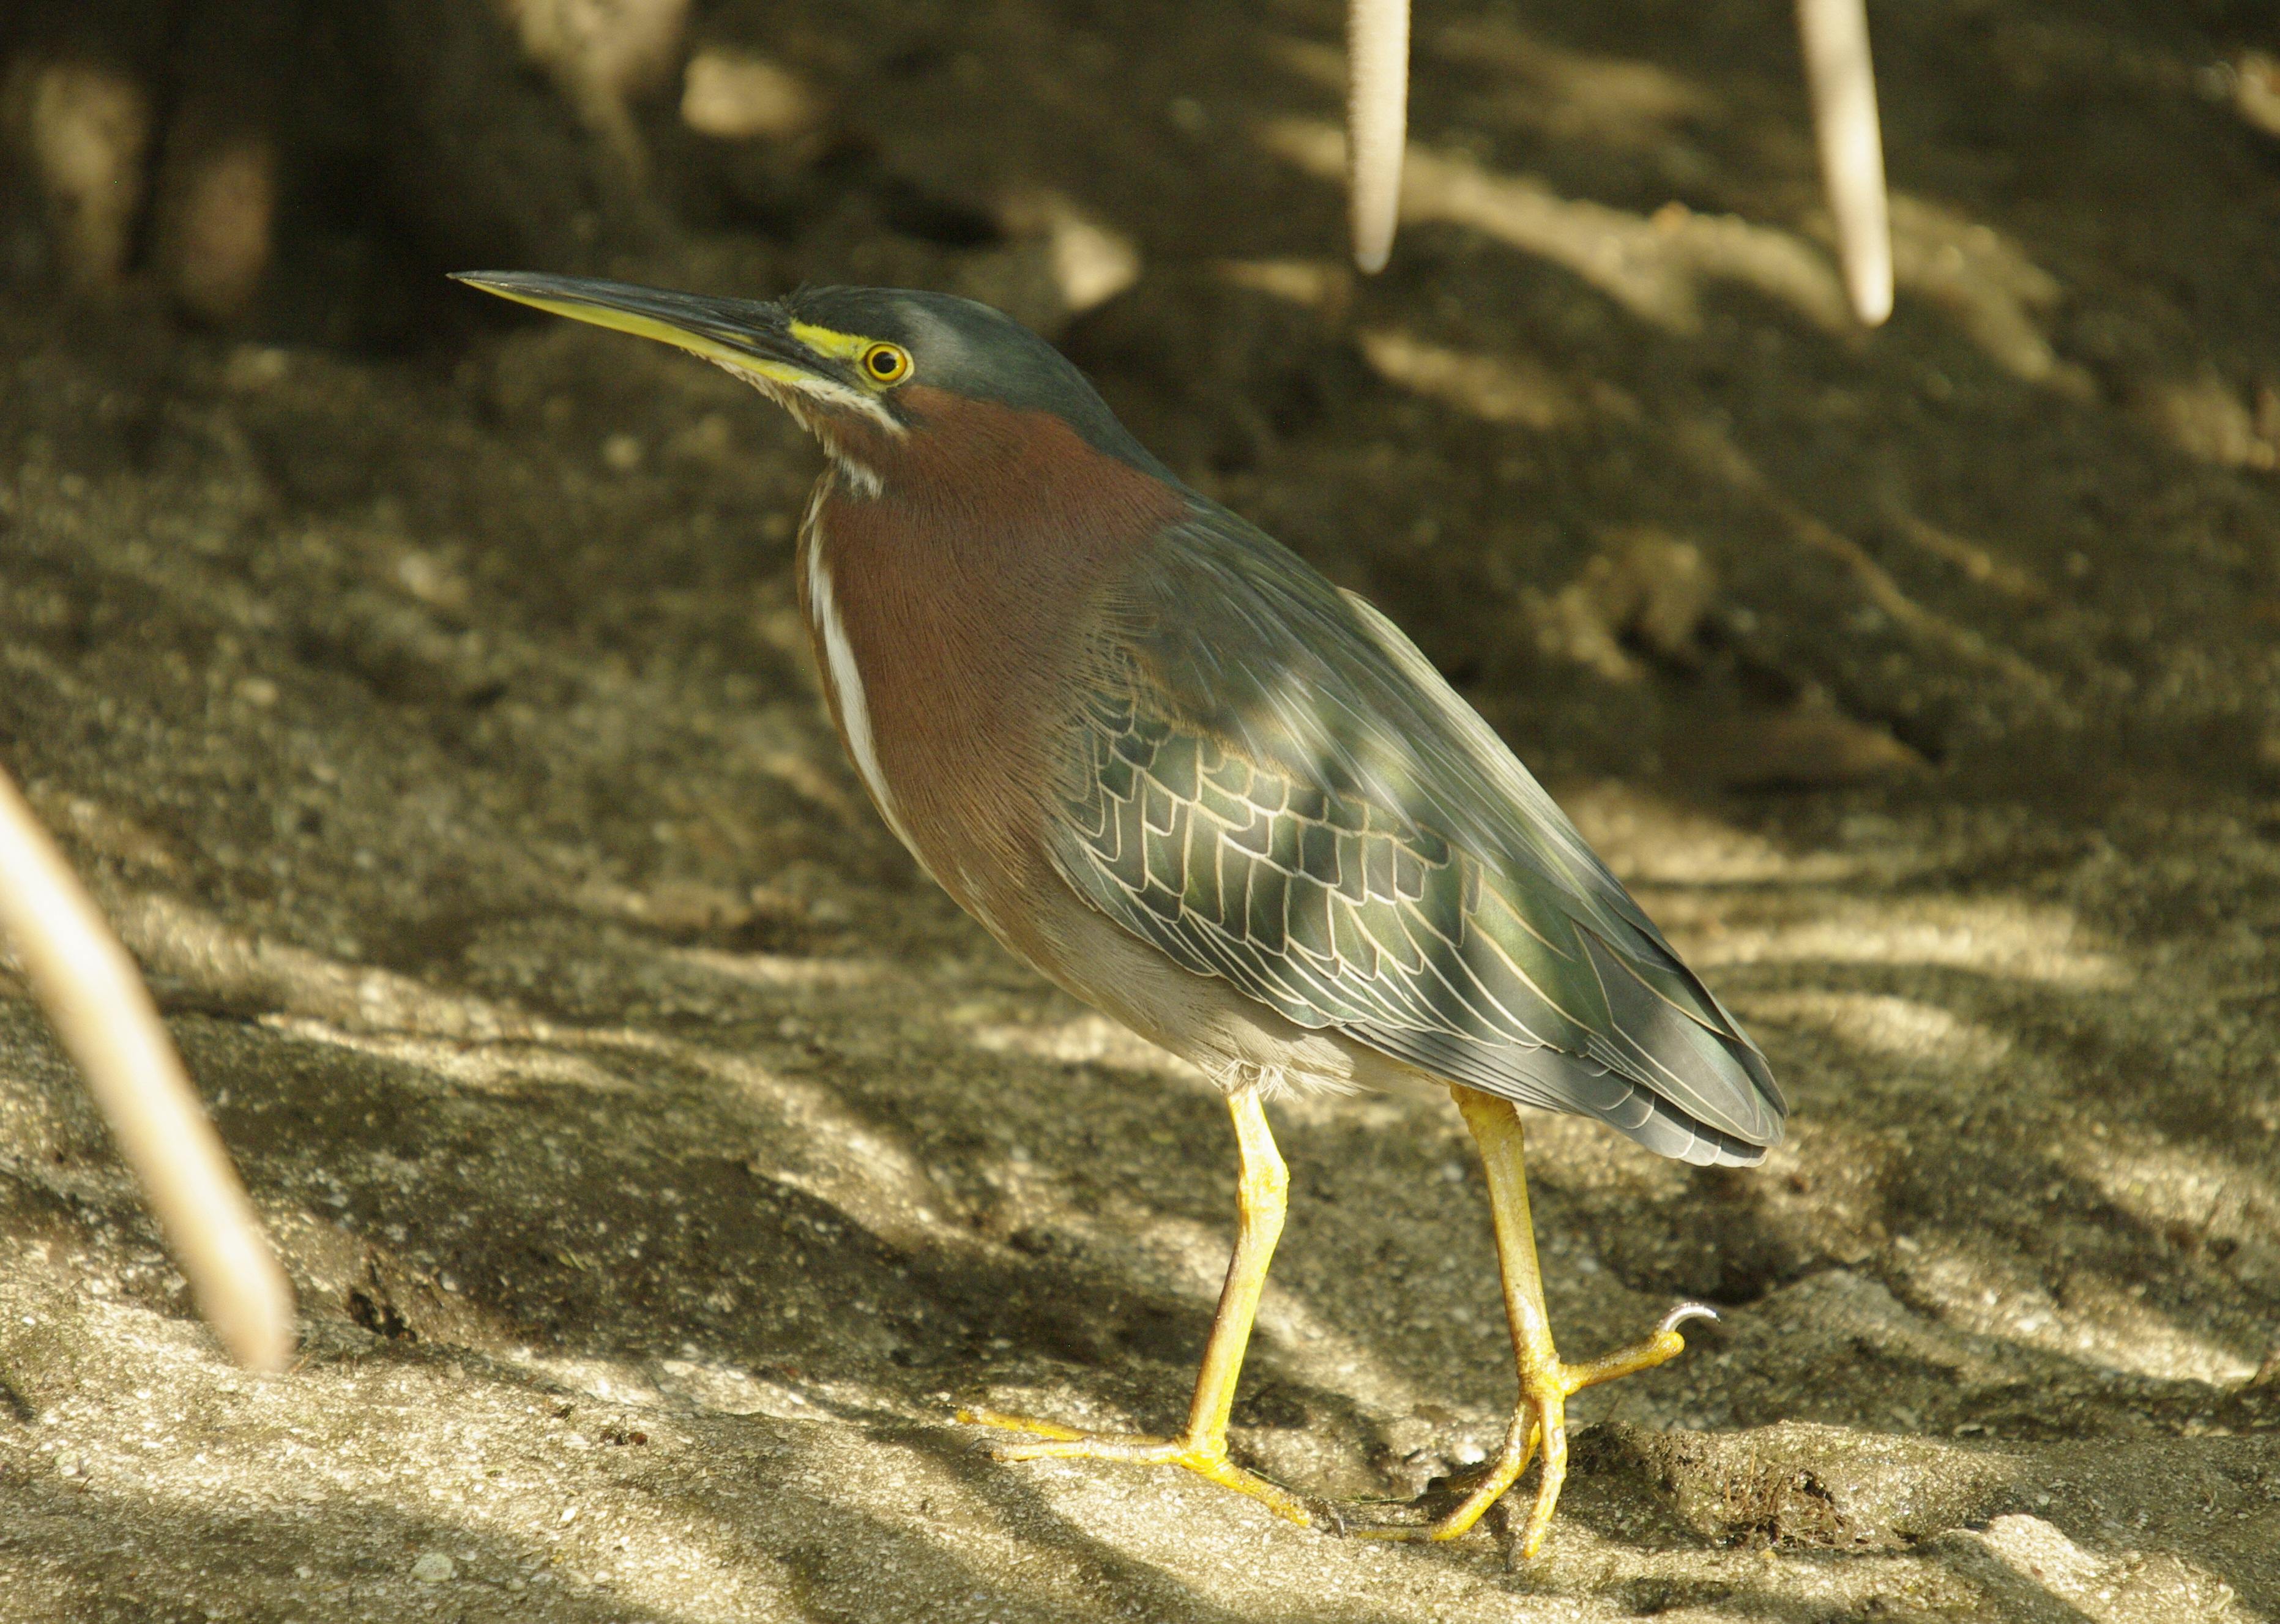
(1270, 783)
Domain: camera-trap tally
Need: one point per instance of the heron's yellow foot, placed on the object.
(1261, 1192)
(1540, 1419)
(1205, 1457)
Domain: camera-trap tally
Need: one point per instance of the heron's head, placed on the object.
(869, 371)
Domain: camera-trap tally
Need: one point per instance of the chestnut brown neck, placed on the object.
(958, 596)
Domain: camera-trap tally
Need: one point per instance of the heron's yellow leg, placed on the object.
(1263, 1193)
(1546, 1382)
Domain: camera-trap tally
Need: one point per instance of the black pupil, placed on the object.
(885, 363)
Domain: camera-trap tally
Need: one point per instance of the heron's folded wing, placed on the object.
(1268, 782)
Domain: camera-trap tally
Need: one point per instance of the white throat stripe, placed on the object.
(847, 684)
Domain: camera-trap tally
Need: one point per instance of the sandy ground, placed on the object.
(660, 1161)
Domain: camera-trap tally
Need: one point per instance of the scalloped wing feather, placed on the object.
(1270, 783)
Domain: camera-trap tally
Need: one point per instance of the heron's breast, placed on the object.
(950, 611)
(943, 684)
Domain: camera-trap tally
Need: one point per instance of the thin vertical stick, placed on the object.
(104, 1016)
(1843, 83)
(1377, 121)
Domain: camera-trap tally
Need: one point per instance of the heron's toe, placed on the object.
(1205, 1458)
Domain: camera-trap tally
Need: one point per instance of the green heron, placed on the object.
(1208, 793)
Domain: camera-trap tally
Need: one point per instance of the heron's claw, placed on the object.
(1681, 1313)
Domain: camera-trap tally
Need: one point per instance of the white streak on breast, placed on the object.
(847, 681)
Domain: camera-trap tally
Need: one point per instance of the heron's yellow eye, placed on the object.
(886, 364)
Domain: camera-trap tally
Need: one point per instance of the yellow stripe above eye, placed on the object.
(823, 340)
(663, 332)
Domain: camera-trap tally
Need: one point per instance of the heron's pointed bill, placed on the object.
(746, 336)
